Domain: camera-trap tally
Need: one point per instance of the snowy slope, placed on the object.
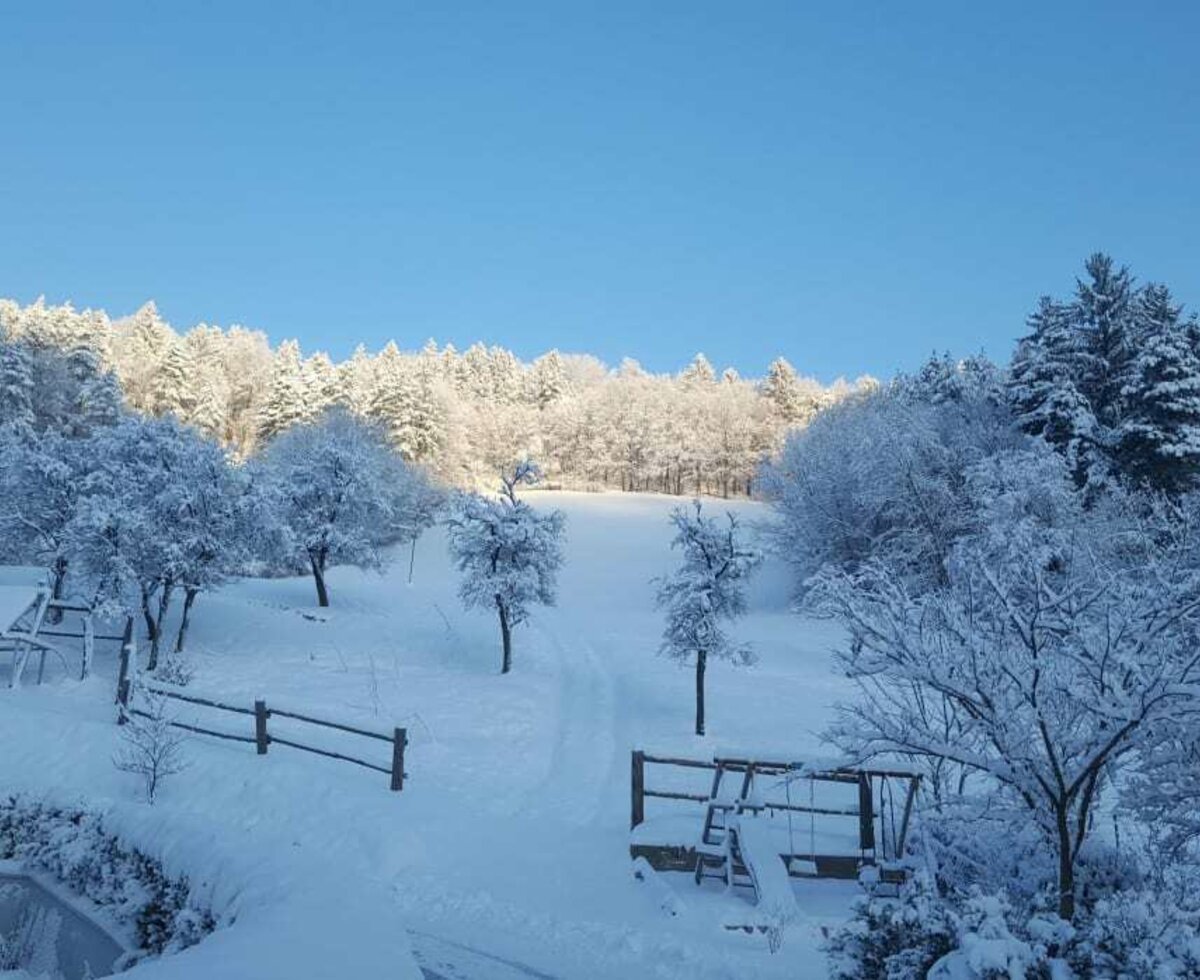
(511, 837)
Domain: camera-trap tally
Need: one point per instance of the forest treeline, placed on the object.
(465, 415)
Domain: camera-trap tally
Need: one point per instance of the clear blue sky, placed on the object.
(849, 184)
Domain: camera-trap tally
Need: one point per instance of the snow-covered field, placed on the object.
(507, 853)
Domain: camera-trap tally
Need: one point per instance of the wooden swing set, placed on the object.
(880, 804)
(34, 623)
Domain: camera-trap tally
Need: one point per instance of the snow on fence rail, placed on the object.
(262, 739)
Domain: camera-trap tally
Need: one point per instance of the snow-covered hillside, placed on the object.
(507, 852)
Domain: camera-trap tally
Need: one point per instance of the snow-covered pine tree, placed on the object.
(16, 388)
(171, 390)
(548, 380)
(321, 384)
(97, 395)
(699, 373)
(1103, 316)
(1158, 442)
(508, 553)
(140, 344)
(286, 401)
(781, 387)
(707, 590)
(356, 382)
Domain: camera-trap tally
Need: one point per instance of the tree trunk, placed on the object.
(58, 572)
(164, 602)
(1066, 867)
(412, 560)
(189, 597)
(701, 664)
(505, 636)
(318, 570)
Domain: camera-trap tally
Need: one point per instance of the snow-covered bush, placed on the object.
(73, 846)
(340, 495)
(707, 589)
(1140, 933)
(508, 553)
(892, 940)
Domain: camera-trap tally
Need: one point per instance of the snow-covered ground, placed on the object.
(507, 853)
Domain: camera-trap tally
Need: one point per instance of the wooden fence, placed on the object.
(262, 738)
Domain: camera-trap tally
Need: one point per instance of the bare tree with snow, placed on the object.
(341, 494)
(151, 747)
(707, 590)
(1061, 641)
(509, 553)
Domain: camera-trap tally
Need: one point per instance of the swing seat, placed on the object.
(799, 867)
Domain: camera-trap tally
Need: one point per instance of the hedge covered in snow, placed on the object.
(72, 846)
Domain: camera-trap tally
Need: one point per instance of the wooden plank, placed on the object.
(192, 699)
(195, 728)
(685, 763)
(332, 755)
(330, 724)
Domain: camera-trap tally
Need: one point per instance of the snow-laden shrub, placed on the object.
(1142, 933)
(887, 940)
(73, 847)
(923, 934)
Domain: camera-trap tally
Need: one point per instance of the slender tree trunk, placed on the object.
(164, 603)
(505, 636)
(148, 616)
(1066, 866)
(189, 597)
(701, 664)
(412, 560)
(318, 570)
(58, 574)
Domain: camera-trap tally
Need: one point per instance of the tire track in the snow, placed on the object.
(581, 766)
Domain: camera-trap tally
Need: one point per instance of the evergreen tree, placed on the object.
(782, 388)
(699, 373)
(16, 388)
(97, 399)
(1158, 444)
(286, 401)
(1103, 316)
(548, 380)
(172, 390)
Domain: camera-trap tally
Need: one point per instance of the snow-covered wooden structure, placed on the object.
(35, 624)
(820, 820)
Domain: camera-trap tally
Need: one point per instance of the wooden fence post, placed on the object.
(399, 741)
(866, 813)
(637, 811)
(261, 738)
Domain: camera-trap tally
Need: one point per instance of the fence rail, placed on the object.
(262, 739)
